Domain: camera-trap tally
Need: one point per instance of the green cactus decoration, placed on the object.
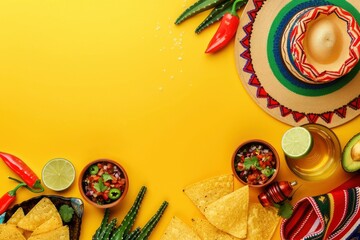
(103, 224)
(217, 13)
(105, 235)
(129, 219)
(109, 231)
(197, 7)
(151, 224)
(134, 234)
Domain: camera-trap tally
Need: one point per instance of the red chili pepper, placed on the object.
(8, 198)
(226, 31)
(22, 170)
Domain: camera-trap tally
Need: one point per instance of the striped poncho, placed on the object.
(335, 215)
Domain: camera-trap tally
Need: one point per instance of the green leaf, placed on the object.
(99, 186)
(251, 161)
(285, 210)
(106, 177)
(66, 212)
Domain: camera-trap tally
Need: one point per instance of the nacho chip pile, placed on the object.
(209, 190)
(42, 222)
(228, 214)
(207, 231)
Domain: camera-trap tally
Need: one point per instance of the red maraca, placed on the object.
(276, 193)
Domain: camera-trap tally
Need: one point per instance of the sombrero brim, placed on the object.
(263, 72)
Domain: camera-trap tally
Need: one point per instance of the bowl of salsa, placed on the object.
(255, 163)
(103, 183)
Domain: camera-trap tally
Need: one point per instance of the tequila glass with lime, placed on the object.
(321, 159)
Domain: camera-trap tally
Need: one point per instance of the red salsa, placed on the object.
(104, 183)
(255, 164)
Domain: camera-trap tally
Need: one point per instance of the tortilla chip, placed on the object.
(179, 230)
(16, 217)
(207, 231)
(61, 233)
(262, 222)
(51, 224)
(39, 214)
(209, 190)
(10, 232)
(230, 212)
(27, 234)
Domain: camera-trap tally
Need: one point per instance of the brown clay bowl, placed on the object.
(89, 183)
(255, 163)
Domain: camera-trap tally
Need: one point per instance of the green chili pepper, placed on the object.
(114, 193)
(197, 7)
(217, 13)
(268, 171)
(94, 169)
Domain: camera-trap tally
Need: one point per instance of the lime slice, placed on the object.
(58, 174)
(296, 142)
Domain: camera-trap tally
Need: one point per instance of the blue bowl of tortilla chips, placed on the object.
(38, 206)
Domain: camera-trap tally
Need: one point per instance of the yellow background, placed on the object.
(117, 79)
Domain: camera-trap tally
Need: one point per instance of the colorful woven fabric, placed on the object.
(335, 215)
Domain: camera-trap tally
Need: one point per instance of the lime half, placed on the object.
(296, 142)
(58, 174)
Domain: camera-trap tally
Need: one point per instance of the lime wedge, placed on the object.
(296, 142)
(58, 174)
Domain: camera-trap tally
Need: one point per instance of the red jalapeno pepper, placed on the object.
(226, 31)
(22, 170)
(8, 198)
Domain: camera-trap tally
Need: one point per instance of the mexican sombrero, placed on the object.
(267, 77)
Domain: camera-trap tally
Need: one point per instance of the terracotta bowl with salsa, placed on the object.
(255, 163)
(103, 183)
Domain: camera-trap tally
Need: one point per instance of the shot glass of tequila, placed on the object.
(312, 151)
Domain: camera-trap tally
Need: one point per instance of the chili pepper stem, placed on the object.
(38, 190)
(233, 8)
(38, 186)
(9, 197)
(22, 170)
(13, 191)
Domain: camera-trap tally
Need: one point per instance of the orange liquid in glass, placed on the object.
(323, 159)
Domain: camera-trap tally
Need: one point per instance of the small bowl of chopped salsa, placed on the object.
(255, 163)
(103, 183)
